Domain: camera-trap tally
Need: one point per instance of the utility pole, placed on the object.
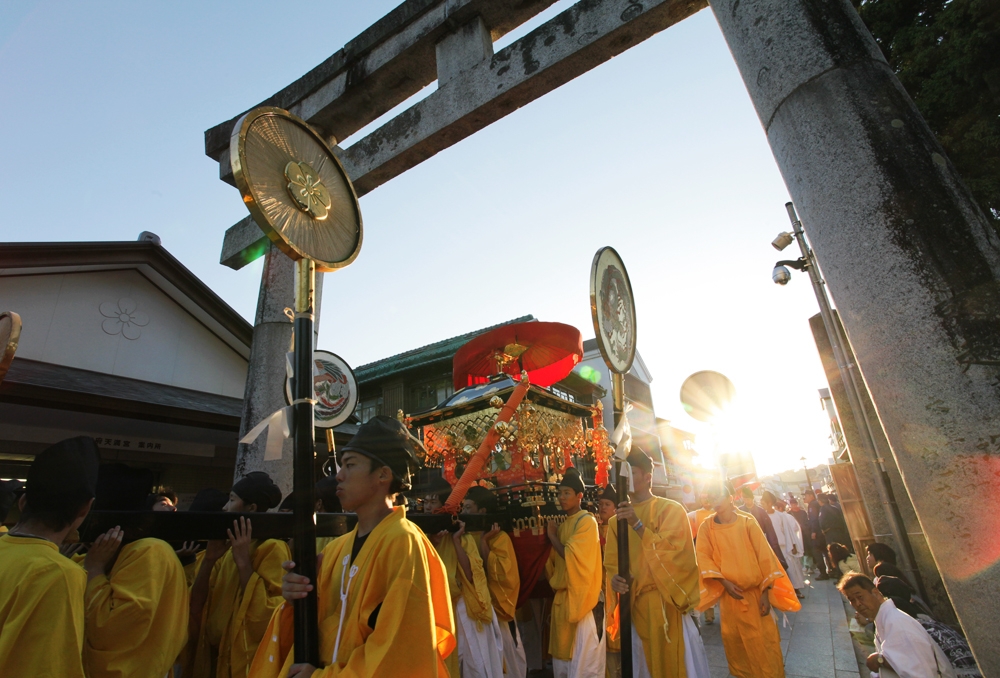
(806, 468)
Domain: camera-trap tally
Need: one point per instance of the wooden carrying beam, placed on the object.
(474, 96)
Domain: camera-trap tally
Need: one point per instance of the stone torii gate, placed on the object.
(911, 261)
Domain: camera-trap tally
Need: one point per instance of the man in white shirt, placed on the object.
(901, 643)
(789, 534)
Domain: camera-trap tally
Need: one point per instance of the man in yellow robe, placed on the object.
(41, 594)
(384, 606)
(607, 505)
(663, 570)
(734, 553)
(238, 587)
(697, 517)
(497, 551)
(574, 573)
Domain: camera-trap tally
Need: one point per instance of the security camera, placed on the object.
(782, 241)
(781, 275)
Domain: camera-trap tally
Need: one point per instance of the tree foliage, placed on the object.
(947, 55)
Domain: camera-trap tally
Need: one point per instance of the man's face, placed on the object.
(641, 480)
(747, 498)
(469, 506)
(164, 504)
(236, 504)
(356, 482)
(809, 497)
(432, 503)
(865, 602)
(569, 499)
(870, 561)
(605, 509)
(720, 502)
(704, 500)
(766, 502)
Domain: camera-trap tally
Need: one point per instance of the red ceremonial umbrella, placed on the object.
(548, 351)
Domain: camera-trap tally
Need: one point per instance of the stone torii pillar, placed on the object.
(265, 388)
(911, 261)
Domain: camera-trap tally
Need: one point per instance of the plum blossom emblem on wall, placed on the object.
(122, 317)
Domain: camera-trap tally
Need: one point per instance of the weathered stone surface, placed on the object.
(463, 49)
(478, 94)
(911, 262)
(265, 389)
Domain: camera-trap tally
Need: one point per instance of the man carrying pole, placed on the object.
(662, 583)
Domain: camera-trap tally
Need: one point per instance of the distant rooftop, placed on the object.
(439, 351)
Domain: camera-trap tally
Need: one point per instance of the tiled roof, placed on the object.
(439, 351)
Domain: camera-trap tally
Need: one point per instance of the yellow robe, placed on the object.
(576, 579)
(476, 593)
(502, 576)
(136, 619)
(41, 610)
(191, 569)
(397, 570)
(232, 624)
(664, 572)
(740, 553)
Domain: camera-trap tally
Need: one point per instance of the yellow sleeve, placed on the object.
(261, 597)
(669, 552)
(405, 642)
(141, 609)
(709, 568)
(611, 549)
(583, 568)
(502, 576)
(477, 592)
(42, 633)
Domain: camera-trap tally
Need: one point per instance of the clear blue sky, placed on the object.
(657, 152)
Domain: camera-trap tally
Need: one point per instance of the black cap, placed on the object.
(209, 499)
(572, 480)
(638, 458)
(257, 488)
(122, 488)
(483, 498)
(388, 442)
(9, 490)
(66, 471)
(610, 493)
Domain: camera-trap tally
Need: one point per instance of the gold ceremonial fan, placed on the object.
(10, 334)
(295, 188)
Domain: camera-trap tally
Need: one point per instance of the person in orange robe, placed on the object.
(42, 591)
(734, 553)
(384, 605)
(237, 588)
(574, 573)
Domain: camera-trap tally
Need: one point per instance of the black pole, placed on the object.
(304, 482)
(624, 601)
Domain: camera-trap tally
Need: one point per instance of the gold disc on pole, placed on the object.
(295, 188)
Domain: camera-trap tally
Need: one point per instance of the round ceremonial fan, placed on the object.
(707, 394)
(613, 309)
(10, 333)
(295, 188)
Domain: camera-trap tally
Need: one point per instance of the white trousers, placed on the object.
(514, 662)
(480, 653)
(588, 653)
(795, 573)
(695, 659)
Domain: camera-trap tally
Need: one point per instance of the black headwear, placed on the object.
(572, 480)
(609, 493)
(387, 441)
(326, 492)
(893, 587)
(483, 498)
(66, 471)
(209, 499)
(638, 458)
(438, 484)
(257, 488)
(122, 488)
(9, 489)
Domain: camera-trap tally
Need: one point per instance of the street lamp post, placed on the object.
(852, 384)
(806, 468)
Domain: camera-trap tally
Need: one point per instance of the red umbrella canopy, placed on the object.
(548, 351)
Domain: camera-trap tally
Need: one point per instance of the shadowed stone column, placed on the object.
(911, 263)
(265, 389)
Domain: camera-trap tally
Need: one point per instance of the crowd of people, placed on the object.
(394, 601)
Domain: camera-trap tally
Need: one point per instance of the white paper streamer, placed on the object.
(278, 429)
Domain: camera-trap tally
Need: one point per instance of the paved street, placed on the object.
(816, 642)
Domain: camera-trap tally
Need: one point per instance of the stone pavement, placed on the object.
(816, 642)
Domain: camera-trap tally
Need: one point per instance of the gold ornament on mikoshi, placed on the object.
(496, 401)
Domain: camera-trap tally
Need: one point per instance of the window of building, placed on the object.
(429, 394)
(565, 395)
(368, 408)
